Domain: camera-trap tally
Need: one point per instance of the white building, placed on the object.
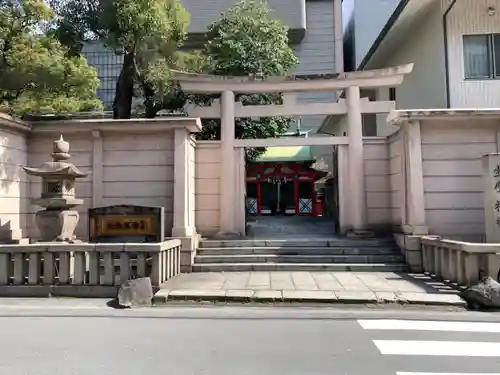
(455, 46)
(363, 21)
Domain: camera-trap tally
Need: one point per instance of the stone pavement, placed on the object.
(339, 287)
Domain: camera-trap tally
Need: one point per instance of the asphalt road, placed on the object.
(90, 339)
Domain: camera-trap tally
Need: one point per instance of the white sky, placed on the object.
(347, 8)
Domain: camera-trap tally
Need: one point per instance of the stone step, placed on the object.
(291, 267)
(279, 258)
(333, 243)
(268, 250)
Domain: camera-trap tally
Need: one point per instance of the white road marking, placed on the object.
(439, 348)
(427, 325)
(445, 373)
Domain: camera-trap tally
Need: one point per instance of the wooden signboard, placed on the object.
(126, 223)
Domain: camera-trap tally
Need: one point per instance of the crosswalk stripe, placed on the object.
(446, 373)
(438, 348)
(425, 325)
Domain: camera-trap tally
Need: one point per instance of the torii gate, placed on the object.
(353, 107)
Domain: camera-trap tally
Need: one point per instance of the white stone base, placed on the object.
(411, 249)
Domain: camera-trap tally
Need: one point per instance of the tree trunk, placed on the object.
(149, 102)
(122, 105)
(150, 111)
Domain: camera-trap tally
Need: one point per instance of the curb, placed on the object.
(164, 297)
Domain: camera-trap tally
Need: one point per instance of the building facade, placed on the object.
(315, 32)
(454, 47)
(364, 19)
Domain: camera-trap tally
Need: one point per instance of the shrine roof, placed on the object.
(292, 154)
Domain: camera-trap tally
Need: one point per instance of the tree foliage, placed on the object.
(148, 33)
(36, 73)
(248, 41)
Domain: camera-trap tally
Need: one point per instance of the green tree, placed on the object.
(246, 41)
(36, 73)
(148, 33)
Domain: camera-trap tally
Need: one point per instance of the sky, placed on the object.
(347, 8)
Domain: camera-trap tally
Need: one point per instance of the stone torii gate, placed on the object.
(353, 106)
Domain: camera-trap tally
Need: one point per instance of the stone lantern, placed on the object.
(58, 220)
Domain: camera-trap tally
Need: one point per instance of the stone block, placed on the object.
(267, 295)
(309, 295)
(194, 294)
(356, 297)
(109, 247)
(412, 243)
(414, 260)
(239, 295)
(387, 297)
(494, 266)
(137, 292)
(433, 299)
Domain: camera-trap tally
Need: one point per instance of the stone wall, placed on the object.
(452, 174)
(131, 162)
(207, 187)
(377, 183)
(139, 170)
(397, 183)
(14, 186)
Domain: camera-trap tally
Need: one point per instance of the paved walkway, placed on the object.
(344, 287)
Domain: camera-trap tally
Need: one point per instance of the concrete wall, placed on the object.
(132, 170)
(192, 182)
(14, 187)
(452, 172)
(377, 177)
(207, 183)
(397, 179)
(377, 183)
(139, 170)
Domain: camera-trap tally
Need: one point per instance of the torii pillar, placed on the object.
(227, 165)
(356, 174)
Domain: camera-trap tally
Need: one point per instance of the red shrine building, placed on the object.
(282, 182)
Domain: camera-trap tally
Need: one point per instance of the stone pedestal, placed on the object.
(55, 225)
(491, 178)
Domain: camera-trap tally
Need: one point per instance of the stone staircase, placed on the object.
(339, 254)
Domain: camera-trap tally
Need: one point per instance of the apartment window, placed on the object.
(482, 56)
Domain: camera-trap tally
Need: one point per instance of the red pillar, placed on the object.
(296, 195)
(258, 199)
(313, 199)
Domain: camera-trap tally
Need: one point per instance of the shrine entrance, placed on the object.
(270, 192)
(283, 189)
(283, 196)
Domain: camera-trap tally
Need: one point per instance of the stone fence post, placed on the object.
(491, 178)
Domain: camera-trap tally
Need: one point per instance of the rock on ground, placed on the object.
(485, 293)
(136, 292)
